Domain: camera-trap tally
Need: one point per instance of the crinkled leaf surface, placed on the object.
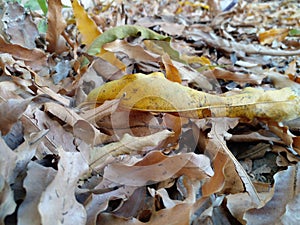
(57, 203)
(155, 93)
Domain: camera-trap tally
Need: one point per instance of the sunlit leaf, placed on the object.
(269, 36)
(155, 93)
(86, 26)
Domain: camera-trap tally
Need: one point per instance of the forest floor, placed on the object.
(205, 131)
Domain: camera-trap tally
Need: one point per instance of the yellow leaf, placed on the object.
(269, 36)
(89, 31)
(196, 59)
(86, 26)
(155, 93)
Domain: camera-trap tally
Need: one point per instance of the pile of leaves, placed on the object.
(141, 149)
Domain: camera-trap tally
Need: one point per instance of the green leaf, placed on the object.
(294, 32)
(42, 26)
(122, 32)
(32, 5)
(43, 6)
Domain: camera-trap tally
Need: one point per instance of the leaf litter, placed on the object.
(152, 112)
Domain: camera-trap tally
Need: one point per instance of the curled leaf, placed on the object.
(122, 32)
(155, 93)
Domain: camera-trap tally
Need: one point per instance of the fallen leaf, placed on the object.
(216, 183)
(35, 58)
(128, 144)
(56, 25)
(133, 51)
(89, 32)
(172, 72)
(241, 49)
(180, 215)
(267, 37)
(36, 120)
(86, 26)
(10, 113)
(238, 77)
(8, 204)
(122, 32)
(283, 194)
(155, 93)
(162, 167)
(57, 203)
(13, 16)
(28, 211)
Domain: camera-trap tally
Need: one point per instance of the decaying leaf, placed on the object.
(228, 46)
(8, 204)
(12, 17)
(57, 203)
(56, 25)
(155, 93)
(28, 211)
(163, 148)
(284, 194)
(10, 112)
(162, 167)
(32, 57)
(126, 145)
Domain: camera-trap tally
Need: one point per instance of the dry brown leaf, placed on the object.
(238, 176)
(135, 52)
(95, 114)
(291, 215)
(240, 78)
(28, 211)
(128, 144)
(254, 136)
(57, 203)
(12, 165)
(180, 215)
(10, 113)
(8, 90)
(8, 162)
(216, 183)
(36, 120)
(58, 97)
(162, 168)
(133, 122)
(14, 16)
(56, 25)
(107, 70)
(285, 193)
(8, 204)
(172, 72)
(281, 81)
(81, 128)
(99, 202)
(65, 114)
(282, 132)
(35, 58)
(241, 49)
